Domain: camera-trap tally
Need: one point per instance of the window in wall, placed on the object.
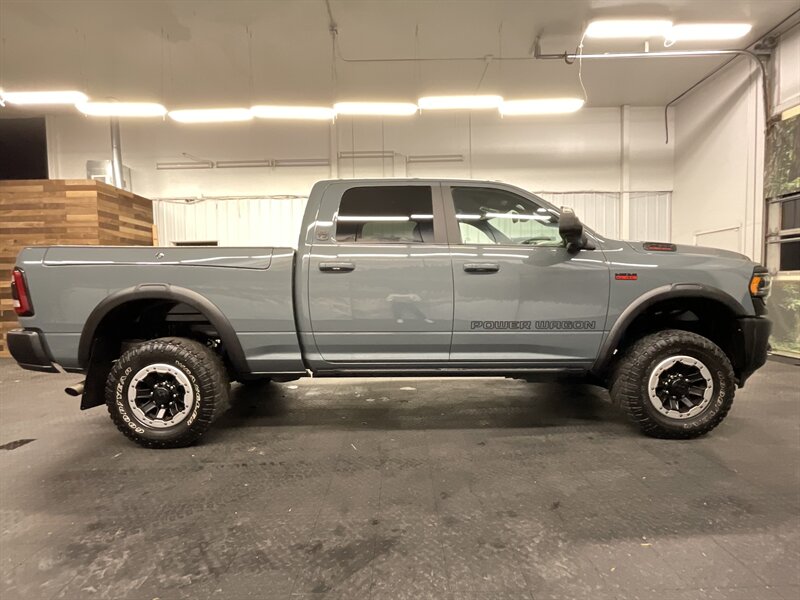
(386, 214)
(790, 253)
(492, 216)
(23, 148)
(790, 234)
(790, 214)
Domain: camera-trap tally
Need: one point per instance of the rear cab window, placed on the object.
(398, 214)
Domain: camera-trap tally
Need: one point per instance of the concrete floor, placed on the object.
(394, 489)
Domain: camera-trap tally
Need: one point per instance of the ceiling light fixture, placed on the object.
(707, 31)
(121, 109)
(540, 106)
(628, 28)
(50, 97)
(312, 113)
(211, 115)
(459, 102)
(383, 109)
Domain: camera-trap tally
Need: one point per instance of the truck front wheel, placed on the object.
(674, 384)
(165, 393)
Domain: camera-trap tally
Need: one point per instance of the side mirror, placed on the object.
(570, 229)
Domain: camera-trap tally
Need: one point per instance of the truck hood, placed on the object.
(686, 249)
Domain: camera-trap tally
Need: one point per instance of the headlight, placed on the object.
(760, 283)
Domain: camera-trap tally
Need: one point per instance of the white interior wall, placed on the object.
(786, 72)
(718, 198)
(719, 163)
(558, 153)
(580, 152)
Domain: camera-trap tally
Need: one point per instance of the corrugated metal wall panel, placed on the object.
(599, 210)
(650, 216)
(230, 222)
(276, 221)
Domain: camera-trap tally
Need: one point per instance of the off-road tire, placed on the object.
(629, 386)
(202, 367)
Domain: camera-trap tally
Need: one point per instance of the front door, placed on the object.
(381, 287)
(520, 297)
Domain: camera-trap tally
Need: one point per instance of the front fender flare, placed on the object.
(637, 307)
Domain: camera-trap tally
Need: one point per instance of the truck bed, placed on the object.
(251, 287)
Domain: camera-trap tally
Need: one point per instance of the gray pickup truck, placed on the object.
(399, 277)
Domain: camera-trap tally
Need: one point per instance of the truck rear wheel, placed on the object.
(165, 393)
(674, 384)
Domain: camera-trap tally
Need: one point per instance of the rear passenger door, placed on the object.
(380, 276)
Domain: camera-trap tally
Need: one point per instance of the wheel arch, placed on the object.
(664, 295)
(164, 292)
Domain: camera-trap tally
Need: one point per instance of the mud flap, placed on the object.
(94, 387)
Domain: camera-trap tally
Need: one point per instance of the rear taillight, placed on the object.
(19, 293)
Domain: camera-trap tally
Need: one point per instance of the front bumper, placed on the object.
(28, 349)
(753, 344)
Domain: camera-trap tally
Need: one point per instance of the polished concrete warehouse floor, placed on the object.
(394, 489)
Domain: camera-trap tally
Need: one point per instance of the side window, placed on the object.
(494, 216)
(386, 214)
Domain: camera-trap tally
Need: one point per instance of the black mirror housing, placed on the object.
(570, 229)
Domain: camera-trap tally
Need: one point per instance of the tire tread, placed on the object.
(632, 368)
(214, 389)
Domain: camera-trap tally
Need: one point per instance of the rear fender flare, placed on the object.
(151, 291)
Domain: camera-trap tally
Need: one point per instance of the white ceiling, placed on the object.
(199, 53)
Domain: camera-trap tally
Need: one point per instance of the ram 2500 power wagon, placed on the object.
(396, 277)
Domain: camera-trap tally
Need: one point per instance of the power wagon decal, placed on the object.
(575, 325)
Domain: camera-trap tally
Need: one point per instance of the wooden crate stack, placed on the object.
(64, 212)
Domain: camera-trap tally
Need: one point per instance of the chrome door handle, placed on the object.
(336, 267)
(481, 267)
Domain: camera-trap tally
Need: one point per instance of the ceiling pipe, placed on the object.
(116, 154)
(765, 100)
(767, 37)
(571, 57)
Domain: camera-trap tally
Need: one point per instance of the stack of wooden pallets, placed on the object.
(68, 212)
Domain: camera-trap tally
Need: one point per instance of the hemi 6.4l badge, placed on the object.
(626, 276)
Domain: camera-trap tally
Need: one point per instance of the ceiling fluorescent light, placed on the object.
(382, 109)
(708, 31)
(55, 97)
(459, 102)
(211, 115)
(540, 106)
(121, 109)
(313, 113)
(628, 28)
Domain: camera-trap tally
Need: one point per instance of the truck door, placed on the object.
(380, 276)
(520, 297)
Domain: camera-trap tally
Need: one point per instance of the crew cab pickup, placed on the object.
(398, 277)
